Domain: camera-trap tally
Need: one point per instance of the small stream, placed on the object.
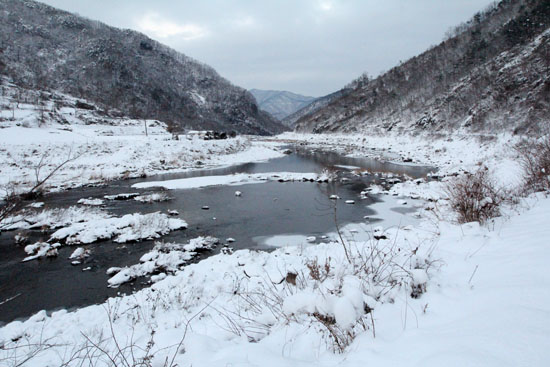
(264, 210)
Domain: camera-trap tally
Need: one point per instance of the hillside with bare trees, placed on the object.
(489, 75)
(122, 71)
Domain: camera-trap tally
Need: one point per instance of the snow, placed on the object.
(166, 256)
(41, 249)
(91, 202)
(105, 149)
(82, 225)
(52, 218)
(197, 98)
(153, 197)
(347, 167)
(88, 225)
(80, 253)
(130, 227)
(232, 180)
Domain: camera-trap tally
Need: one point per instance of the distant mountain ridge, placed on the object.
(280, 104)
(313, 106)
(123, 71)
(491, 75)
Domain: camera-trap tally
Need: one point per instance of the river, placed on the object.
(263, 211)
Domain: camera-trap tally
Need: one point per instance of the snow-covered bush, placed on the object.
(474, 197)
(334, 295)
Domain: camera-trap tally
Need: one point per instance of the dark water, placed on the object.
(265, 209)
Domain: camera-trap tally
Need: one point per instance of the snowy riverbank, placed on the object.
(87, 150)
(475, 292)
(452, 154)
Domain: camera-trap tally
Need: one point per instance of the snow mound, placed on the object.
(153, 198)
(52, 218)
(41, 249)
(130, 227)
(164, 258)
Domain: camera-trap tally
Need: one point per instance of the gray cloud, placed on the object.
(312, 47)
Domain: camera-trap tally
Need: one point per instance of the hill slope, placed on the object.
(121, 70)
(313, 106)
(492, 75)
(280, 104)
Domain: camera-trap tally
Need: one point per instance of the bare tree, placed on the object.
(40, 181)
(12, 202)
(9, 205)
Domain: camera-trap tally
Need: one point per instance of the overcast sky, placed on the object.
(311, 47)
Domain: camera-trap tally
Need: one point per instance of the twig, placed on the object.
(474, 272)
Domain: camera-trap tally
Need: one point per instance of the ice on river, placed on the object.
(233, 180)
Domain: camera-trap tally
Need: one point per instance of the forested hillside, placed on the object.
(123, 71)
(490, 74)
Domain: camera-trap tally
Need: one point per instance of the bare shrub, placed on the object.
(10, 204)
(535, 161)
(379, 271)
(22, 349)
(474, 197)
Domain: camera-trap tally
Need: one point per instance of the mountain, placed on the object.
(123, 71)
(313, 106)
(280, 104)
(491, 75)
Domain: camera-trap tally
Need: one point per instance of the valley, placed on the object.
(154, 214)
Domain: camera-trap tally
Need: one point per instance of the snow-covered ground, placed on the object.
(429, 293)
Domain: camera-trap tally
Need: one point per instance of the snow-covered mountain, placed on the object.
(313, 106)
(122, 71)
(280, 104)
(491, 74)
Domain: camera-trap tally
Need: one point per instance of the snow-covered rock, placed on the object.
(165, 257)
(130, 227)
(41, 249)
(153, 198)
